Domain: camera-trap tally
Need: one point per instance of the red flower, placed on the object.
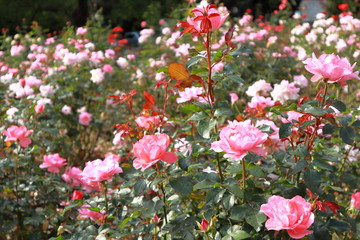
(117, 29)
(343, 7)
(77, 195)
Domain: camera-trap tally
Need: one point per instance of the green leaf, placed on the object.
(205, 127)
(236, 191)
(345, 120)
(236, 79)
(238, 213)
(140, 186)
(266, 129)
(339, 105)
(256, 221)
(328, 129)
(285, 130)
(228, 201)
(339, 226)
(215, 195)
(190, 108)
(182, 184)
(312, 179)
(198, 116)
(347, 134)
(299, 166)
(204, 184)
(239, 235)
(220, 112)
(193, 61)
(257, 172)
(315, 111)
(356, 123)
(75, 203)
(126, 220)
(323, 165)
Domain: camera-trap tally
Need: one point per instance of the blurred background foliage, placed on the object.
(53, 15)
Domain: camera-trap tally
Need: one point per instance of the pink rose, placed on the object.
(260, 102)
(294, 215)
(147, 122)
(85, 212)
(332, 68)
(355, 201)
(100, 170)
(85, 118)
(191, 93)
(107, 68)
(81, 31)
(239, 138)
(72, 176)
(39, 108)
(15, 133)
(285, 91)
(53, 162)
(233, 97)
(151, 149)
(207, 19)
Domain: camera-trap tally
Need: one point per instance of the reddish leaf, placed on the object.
(178, 71)
(332, 205)
(149, 101)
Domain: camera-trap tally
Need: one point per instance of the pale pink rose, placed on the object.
(162, 21)
(292, 115)
(285, 91)
(81, 31)
(107, 68)
(301, 81)
(239, 138)
(215, 21)
(21, 91)
(97, 217)
(100, 170)
(97, 75)
(85, 118)
(355, 201)
(182, 50)
(218, 67)
(39, 108)
(331, 68)
(294, 215)
(66, 110)
(151, 149)
(160, 76)
(233, 97)
(273, 143)
(148, 122)
(46, 90)
(16, 50)
(53, 162)
(245, 20)
(32, 81)
(182, 145)
(260, 102)
(122, 62)
(109, 53)
(131, 57)
(191, 93)
(11, 111)
(260, 87)
(15, 133)
(72, 176)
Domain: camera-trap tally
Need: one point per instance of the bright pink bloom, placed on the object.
(233, 97)
(151, 149)
(191, 93)
(77, 195)
(53, 162)
(294, 215)
(72, 176)
(355, 201)
(239, 138)
(39, 108)
(97, 217)
(81, 31)
(15, 133)
(100, 170)
(147, 122)
(107, 68)
(85, 118)
(331, 68)
(207, 19)
(143, 24)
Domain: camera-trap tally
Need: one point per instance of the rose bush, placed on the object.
(207, 131)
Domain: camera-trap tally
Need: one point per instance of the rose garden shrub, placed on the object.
(209, 130)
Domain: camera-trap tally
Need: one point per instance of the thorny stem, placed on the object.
(219, 168)
(243, 173)
(161, 186)
(209, 82)
(106, 199)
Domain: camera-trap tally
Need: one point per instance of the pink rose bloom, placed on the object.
(239, 138)
(81, 31)
(85, 118)
(53, 162)
(143, 24)
(285, 91)
(260, 102)
(72, 176)
(151, 149)
(294, 215)
(218, 67)
(260, 87)
(292, 115)
(301, 81)
(39, 108)
(212, 15)
(66, 110)
(100, 170)
(332, 68)
(147, 122)
(273, 143)
(191, 93)
(96, 217)
(355, 201)
(15, 133)
(233, 97)
(107, 68)
(131, 56)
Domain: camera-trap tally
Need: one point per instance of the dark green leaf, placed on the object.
(315, 111)
(328, 129)
(236, 79)
(339, 226)
(356, 123)
(339, 105)
(266, 129)
(323, 165)
(285, 130)
(198, 116)
(139, 186)
(205, 127)
(236, 191)
(182, 184)
(345, 120)
(347, 134)
(256, 221)
(228, 201)
(238, 213)
(193, 61)
(73, 204)
(312, 179)
(204, 184)
(190, 108)
(221, 112)
(299, 166)
(257, 172)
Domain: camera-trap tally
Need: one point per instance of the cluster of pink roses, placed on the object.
(15, 133)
